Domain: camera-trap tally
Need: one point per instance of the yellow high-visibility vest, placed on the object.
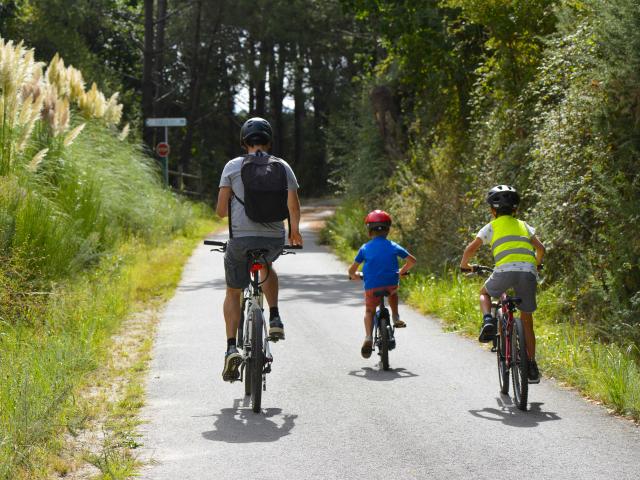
(511, 241)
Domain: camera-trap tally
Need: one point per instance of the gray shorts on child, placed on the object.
(236, 262)
(523, 283)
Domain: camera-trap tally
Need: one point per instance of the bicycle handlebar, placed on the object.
(479, 269)
(216, 243)
(360, 275)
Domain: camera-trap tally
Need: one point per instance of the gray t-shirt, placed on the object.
(241, 225)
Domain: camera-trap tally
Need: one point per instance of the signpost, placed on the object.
(162, 149)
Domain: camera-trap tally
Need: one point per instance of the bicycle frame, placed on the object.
(253, 299)
(506, 306)
(381, 310)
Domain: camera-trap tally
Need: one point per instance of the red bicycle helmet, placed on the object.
(378, 220)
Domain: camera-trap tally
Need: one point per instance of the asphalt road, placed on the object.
(330, 414)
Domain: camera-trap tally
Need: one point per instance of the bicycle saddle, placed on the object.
(257, 252)
(515, 300)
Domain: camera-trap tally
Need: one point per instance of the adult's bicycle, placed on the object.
(509, 344)
(253, 337)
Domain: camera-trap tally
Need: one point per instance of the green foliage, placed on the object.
(69, 200)
(538, 94)
(98, 36)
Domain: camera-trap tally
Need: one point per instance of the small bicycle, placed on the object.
(383, 330)
(509, 344)
(253, 337)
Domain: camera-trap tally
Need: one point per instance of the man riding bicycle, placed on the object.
(240, 193)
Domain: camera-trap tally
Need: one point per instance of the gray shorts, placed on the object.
(236, 262)
(523, 283)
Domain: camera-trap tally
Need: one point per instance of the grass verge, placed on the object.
(54, 389)
(569, 352)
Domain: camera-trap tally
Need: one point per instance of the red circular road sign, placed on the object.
(162, 149)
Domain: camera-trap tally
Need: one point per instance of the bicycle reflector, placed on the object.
(256, 267)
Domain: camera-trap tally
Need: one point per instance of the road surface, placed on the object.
(330, 414)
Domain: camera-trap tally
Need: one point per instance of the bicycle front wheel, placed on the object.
(519, 365)
(257, 359)
(384, 341)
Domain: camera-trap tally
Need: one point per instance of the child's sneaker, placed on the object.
(367, 348)
(488, 330)
(397, 323)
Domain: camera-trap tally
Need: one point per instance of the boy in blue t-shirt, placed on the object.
(380, 271)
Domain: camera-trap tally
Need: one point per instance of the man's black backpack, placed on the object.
(265, 189)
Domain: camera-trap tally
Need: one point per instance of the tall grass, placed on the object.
(566, 350)
(77, 202)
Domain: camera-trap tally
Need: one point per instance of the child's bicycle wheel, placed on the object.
(519, 365)
(384, 341)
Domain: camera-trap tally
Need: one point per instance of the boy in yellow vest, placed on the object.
(518, 254)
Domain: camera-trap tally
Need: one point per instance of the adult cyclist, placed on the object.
(246, 234)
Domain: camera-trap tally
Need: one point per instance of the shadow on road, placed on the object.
(240, 425)
(324, 289)
(215, 284)
(379, 375)
(508, 414)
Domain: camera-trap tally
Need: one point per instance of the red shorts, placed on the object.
(371, 301)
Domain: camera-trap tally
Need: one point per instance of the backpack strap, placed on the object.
(229, 215)
(233, 195)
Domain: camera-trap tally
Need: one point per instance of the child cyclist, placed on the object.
(380, 257)
(517, 254)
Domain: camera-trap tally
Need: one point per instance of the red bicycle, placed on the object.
(509, 345)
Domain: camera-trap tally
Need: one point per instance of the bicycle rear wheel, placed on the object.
(257, 359)
(384, 341)
(501, 354)
(519, 365)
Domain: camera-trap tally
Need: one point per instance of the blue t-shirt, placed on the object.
(380, 257)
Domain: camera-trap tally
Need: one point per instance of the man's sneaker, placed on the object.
(397, 323)
(488, 331)
(367, 348)
(276, 329)
(232, 361)
(534, 373)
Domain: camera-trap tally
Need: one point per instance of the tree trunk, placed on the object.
(261, 81)
(231, 132)
(298, 114)
(194, 90)
(319, 87)
(199, 68)
(277, 62)
(159, 56)
(252, 78)
(147, 70)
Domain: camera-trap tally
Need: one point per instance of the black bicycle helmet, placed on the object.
(256, 131)
(503, 196)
